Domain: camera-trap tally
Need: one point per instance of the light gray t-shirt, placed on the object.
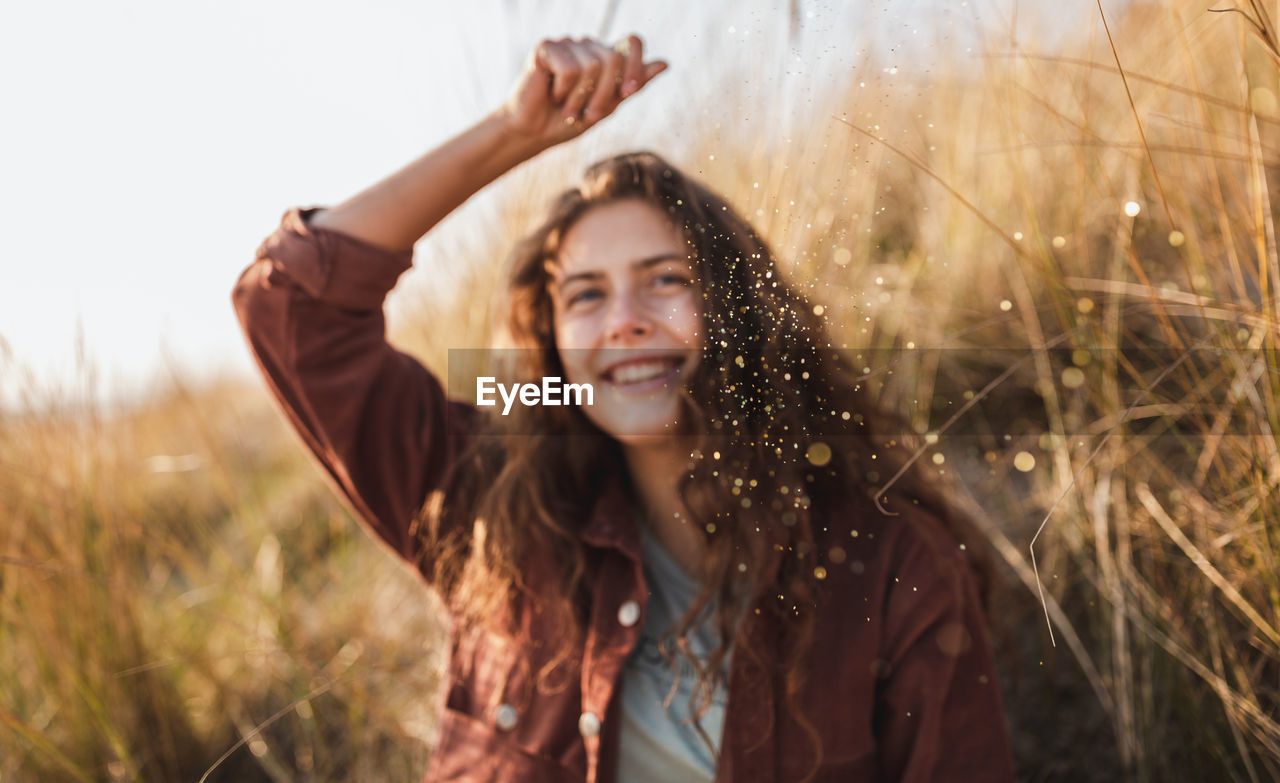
(654, 745)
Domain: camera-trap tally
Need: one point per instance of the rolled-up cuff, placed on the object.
(329, 265)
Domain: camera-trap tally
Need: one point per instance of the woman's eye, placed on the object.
(582, 296)
(672, 279)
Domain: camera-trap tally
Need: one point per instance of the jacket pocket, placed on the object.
(485, 672)
(473, 750)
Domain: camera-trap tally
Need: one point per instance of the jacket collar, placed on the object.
(610, 523)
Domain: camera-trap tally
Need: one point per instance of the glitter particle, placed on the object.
(818, 454)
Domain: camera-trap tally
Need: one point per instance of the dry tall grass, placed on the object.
(1102, 381)
(174, 578)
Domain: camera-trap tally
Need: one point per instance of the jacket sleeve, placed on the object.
(939, 710)
(378, 422)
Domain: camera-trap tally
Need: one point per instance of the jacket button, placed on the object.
(589, 724)
(506, 717)
(628, 613)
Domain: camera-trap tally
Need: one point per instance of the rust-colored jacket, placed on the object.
(899, 680)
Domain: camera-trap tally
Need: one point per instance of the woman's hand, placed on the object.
(569, 85)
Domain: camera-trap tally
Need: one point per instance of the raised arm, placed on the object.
(567, 87)
(310, 304)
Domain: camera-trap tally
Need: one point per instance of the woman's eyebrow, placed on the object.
(643, 263)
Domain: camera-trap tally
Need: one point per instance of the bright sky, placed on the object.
(149, 147)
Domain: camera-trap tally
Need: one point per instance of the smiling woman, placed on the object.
(627, 315)
(688, 579)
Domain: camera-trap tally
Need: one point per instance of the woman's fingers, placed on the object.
(582, 81)
(653, 69)
(606, 96)
(558, 58)
(590, 68)
(636, 73)
(569, 85)
(633, 72)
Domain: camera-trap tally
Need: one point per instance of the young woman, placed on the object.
(686, 579)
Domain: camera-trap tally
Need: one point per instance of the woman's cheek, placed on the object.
(687, 319)
(574, 338)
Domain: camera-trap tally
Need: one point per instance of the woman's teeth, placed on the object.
(641, 371)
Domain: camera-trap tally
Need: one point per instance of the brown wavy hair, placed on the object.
(768, 395)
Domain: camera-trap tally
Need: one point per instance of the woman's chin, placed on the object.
(641, 425)
(648, 440)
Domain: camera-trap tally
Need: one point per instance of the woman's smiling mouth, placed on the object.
(644, 374)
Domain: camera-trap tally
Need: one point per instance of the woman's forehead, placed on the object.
(614, 236)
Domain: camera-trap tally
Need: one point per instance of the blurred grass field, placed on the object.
(177, 584)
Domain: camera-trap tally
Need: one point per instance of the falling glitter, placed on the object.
(818, 454)
(1024, 461)
(1132, 208)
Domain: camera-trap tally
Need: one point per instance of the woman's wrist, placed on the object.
(514, 143)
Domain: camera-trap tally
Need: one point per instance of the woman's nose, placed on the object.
(627, 320)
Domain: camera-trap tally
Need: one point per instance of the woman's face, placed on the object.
(628, 317)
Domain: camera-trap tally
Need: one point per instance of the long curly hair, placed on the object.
(783, 430)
